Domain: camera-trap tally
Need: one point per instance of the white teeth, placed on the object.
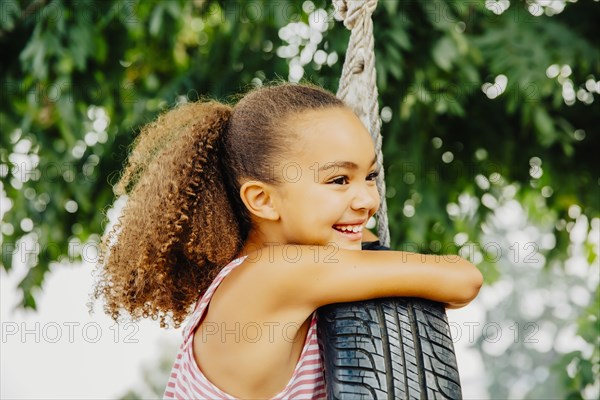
(351, 228)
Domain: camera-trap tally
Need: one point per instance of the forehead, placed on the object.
(332, 134)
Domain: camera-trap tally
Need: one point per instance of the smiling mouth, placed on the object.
(353, 232)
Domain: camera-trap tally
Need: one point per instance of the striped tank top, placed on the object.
(188, 382)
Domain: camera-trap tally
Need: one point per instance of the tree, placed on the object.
(490, 112)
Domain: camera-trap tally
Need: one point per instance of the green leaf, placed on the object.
(444, 53)
(544, 126)
(81, 44)
(156, 19)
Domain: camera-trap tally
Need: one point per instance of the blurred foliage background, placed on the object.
(491, 135)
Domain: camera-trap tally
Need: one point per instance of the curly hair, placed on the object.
(183, 219)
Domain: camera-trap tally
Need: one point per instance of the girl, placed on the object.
(258, 210)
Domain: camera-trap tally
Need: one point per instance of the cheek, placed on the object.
(375, 194)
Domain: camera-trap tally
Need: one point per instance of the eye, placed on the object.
(373, 176)
(340, 180)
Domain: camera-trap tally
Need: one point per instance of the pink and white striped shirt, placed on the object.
(188, 382)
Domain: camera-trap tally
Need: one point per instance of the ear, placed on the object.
(257, 196)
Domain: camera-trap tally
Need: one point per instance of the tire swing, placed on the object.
(392, 348)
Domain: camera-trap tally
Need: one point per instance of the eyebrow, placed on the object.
(343, 164)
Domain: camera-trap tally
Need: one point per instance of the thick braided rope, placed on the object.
(358, 86)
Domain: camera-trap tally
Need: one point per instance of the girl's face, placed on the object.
(329, 190)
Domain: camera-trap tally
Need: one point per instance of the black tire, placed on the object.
(392, 348)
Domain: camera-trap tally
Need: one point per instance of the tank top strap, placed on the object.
(188, 381)
(205, 298)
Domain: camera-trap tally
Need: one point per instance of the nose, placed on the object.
(366, 197)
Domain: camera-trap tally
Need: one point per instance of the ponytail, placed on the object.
(177, 227)
(184, 218)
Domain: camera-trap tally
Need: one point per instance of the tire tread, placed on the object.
(392, 348)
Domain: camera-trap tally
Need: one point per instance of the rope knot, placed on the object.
(353, 11)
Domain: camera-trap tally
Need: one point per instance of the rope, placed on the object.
(358, 86)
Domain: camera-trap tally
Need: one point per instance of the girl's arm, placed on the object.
(318, 275)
